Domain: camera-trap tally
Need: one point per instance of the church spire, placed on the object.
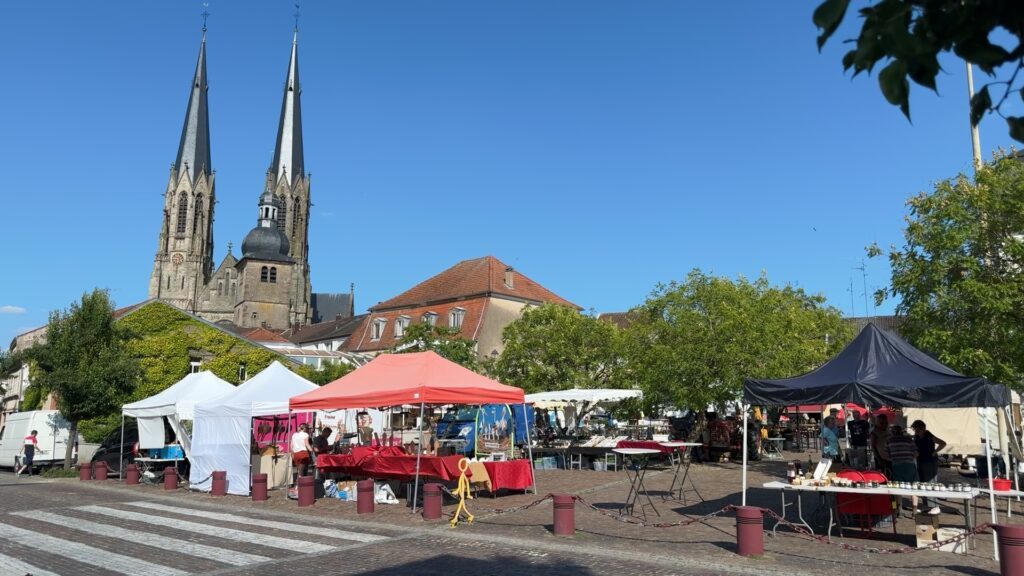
(288, 150)
(194, 149)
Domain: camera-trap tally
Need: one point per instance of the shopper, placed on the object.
(301, 450)
(928, 448)
(859, 432)
(880, 445)
(830, 439)
(903, 455)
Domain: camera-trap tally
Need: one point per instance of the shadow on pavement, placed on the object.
(450, 565)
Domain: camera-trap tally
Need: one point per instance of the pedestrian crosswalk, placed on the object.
(139, 537)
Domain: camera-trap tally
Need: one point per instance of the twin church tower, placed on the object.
(269, 286)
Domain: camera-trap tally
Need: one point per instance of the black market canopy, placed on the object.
(879, 368)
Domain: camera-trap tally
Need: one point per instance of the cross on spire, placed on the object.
(205, 14)
(297, 14)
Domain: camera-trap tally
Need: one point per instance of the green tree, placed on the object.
(959, 275)
(555, 348)
(328, 373)
(445, 341)
(909, 35)
(691, 344)
(85, 362)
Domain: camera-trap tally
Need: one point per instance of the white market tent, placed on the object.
(579, 401)
(222, 430)
(176, 403)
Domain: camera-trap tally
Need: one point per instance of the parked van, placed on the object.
(53, 432)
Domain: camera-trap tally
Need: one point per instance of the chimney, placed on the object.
(509, 277)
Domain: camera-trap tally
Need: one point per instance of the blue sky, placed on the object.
(599, 147)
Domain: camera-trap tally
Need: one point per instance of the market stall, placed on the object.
(223, 427)
(878, 369)
(419, 378)
(177, 404)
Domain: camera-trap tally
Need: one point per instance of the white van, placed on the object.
(52, 439)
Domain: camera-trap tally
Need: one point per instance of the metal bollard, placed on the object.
(85, 471)
(99, 470)
(749, 531)
(131, 475)
(170, 478)
(364, 497)
(431, 501)
(565, 515)
(1011, 549)
(220, 483)
(259, 487)
(306, 491)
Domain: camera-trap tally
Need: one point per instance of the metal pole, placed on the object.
(419, 453)
(975, 139)
(120, 465)
(744, 450)
(991, 488)
(529, 447)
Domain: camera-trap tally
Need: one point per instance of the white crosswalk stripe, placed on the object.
(139, 537)
(84, 554)
(10, 565)
(326, 532)
(198, 528)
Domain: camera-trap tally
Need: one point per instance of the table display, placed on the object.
(640, 457)
(682, 464)
(648, 444)
(1009, 495)
(509, 474)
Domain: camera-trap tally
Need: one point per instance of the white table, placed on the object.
(682, 463)
(830, 491)
(636, 485)
(1008, 494)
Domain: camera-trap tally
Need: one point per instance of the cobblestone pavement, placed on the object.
(196, 533)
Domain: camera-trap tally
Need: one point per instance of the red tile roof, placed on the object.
(361, 341)
(262, 335)
(471, 278)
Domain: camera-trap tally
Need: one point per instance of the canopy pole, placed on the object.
(991, 488)
(419, 453)
(529, 446)
(744, 450)
(120, 465)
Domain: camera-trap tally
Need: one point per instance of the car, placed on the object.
(114, 451)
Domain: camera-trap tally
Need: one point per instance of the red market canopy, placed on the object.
(415, 378)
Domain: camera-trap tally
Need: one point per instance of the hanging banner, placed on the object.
(493, 429)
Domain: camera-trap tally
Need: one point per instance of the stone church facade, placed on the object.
(269, 285)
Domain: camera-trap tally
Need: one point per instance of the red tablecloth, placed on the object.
(510, 474)
(403, 467)
(644, 444)
(352, 462)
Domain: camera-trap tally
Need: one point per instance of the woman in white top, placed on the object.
(301, 450)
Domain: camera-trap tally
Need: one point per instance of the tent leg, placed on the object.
(529, 447)
(743, 449)
(991, 489)
(120, 465)
(419, 453)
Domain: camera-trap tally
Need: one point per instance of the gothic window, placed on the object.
(282, 213)
(273, 274)
(220, 287)
(400, 325)
(182, 221)
(264, 274)
(377, 328)
(232, 288)
(295, 219)
(197, 215)
(455, 317)
(182, 282)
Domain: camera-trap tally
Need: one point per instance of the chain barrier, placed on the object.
(536, 502)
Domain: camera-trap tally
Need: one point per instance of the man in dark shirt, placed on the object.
(859, 431)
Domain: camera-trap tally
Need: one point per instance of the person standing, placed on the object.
(28, 452)
(859, 432)
(879, 439)
(829, 439)
(903, 455)
(928, 448)
(301, 450)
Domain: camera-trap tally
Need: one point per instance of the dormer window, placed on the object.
(401, 323)
(455, 317)
(377, 328)
(430, 318)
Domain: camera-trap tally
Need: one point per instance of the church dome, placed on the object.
(266, 243)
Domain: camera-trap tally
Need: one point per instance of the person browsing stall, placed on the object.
(928, 448)
(860, 429)
(903, 455)
(301, 450)
(829, 439)
(879, 439)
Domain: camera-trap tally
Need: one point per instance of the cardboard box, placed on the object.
(927, 519)
(959, 547)
(925, 535)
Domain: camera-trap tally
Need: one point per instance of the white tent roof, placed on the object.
(180, 398)
(583, 395)
(264, 394)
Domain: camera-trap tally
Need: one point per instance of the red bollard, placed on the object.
(1011, 549)
(259, 487)
(431, 501)
(131, 475)
(565, 515)
(85, 471)
(99, 470)
(220, 483)
(364, 497)
(306, 491)
(749, 531)
(170, 478)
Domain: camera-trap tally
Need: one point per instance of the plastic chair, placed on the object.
(576, 459)
(613, 464)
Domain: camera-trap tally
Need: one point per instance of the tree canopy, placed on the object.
(692, 343)
(959, 275)
(556, 348)
(85, 362)
(909, 35)
(445, 341)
